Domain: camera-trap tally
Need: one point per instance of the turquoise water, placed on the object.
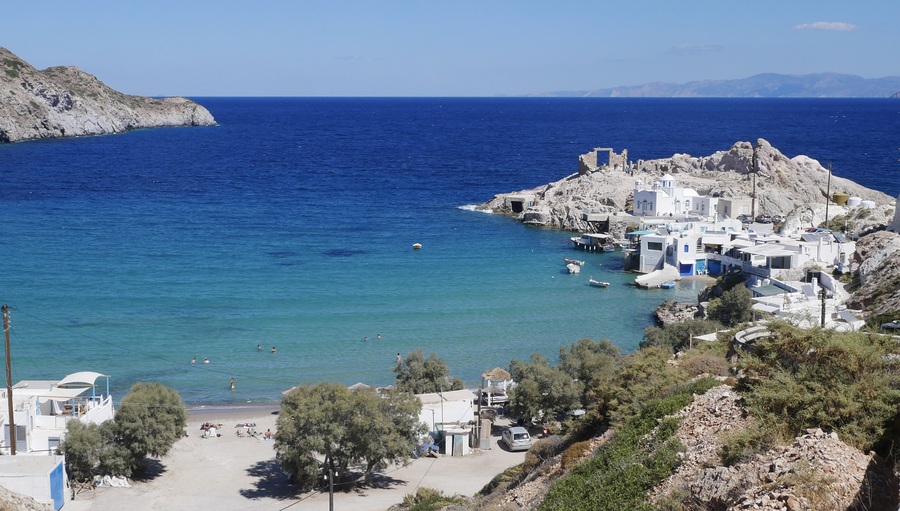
(291, 225)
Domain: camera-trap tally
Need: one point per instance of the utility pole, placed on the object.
(828, 195)
(330, 488)
(823, 293)
(9, 387)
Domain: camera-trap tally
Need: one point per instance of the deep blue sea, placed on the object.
(291, 224)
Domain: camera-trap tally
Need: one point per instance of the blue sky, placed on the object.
(432, 48)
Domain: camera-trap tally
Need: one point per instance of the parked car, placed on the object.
(777, 219)
(745, 218)
(516, 438)
(893, 326)
(764, 219)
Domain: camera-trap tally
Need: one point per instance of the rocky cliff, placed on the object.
(67, 102)
(782, 185)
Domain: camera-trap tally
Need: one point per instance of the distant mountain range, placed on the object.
(766, 85)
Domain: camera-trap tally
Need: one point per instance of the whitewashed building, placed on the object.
(41, 410)
(664, 198)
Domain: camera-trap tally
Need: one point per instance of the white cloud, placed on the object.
(836, 26)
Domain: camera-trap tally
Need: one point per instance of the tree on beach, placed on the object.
(330, 426)
(419, 375)
(151, 418)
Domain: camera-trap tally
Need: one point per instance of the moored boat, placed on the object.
(573, 261)
(669, 284)
(573, 268)
(597, 283)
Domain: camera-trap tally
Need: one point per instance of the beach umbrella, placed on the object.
(496, 374)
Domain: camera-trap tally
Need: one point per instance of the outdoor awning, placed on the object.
(82, 379)
(61, 394)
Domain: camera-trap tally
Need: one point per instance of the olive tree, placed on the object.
(150, 419)
(330, 426)
(418, 375)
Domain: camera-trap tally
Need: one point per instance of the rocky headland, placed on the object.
(604, 189)
(65, 101)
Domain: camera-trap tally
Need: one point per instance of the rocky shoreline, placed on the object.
(598, 197)
(67, 102)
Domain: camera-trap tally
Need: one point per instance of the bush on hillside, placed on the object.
(733, 308)
(846, 382)
(677, 336)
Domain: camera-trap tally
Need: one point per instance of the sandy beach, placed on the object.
(240, 473)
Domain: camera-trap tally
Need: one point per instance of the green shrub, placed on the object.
(705, 363)
(541, 451)
(817, 378)
(513, 474)
(429, 499)
(740, 446)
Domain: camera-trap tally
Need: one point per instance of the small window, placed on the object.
(654, 245)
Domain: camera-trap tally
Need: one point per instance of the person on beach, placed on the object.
(378, 336)
(194, 360)
(273, 349)
(259, 347)
(232, 384)
(366, 338)
(205, 360)
(399, 359)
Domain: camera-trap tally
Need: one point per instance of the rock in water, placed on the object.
(67, 102)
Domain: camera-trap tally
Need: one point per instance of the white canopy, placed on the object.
(82, 379)
(61, 394)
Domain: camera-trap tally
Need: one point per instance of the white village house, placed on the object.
(449, 416)
(41, 410)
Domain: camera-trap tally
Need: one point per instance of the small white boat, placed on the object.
(573, 268)
(597, 283)
(573, 261)
(669, 284)
(417, 246)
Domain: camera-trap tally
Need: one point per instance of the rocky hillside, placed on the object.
(783, 184)
(877, 264)
(817, 471)
(11, 501)
(67, 102)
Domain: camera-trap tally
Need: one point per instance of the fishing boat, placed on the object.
(573, 261)
(597, 283)
(669, 284)
(573, 268)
